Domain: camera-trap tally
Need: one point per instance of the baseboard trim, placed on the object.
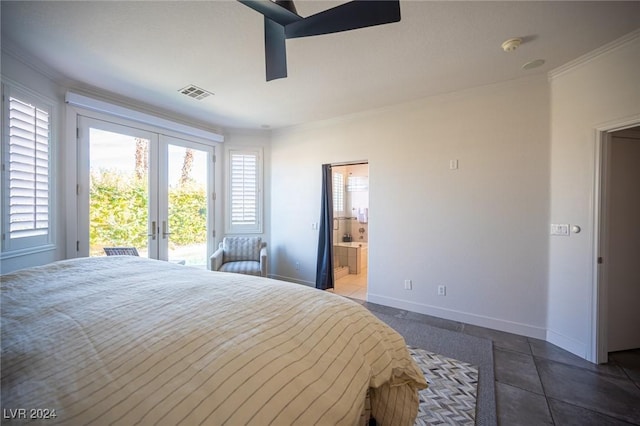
(567, 343)
(292, 280)
(465, 317)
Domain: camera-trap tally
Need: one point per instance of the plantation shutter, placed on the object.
(244, 200)
(28, 169)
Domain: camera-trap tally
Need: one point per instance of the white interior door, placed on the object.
(623, 254)
(145, 190)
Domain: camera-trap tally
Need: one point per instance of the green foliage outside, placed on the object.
(188, 213)
(119, 212)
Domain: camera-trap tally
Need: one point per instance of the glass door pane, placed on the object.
(144, 190)
(119, 178)
(186, 228)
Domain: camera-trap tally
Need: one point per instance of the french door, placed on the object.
(144, 190)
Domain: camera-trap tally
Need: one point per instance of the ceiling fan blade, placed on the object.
(349, 16)
(287, 4)
(283, 14)
(275, 50)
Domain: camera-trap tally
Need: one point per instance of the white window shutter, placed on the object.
(28, 170)
(27, 219)
(244, 191)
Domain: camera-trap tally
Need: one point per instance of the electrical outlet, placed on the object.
(407, 284)
(442, 290)
(297, 266)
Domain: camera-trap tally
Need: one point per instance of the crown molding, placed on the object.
(12, 50)
(594, 54)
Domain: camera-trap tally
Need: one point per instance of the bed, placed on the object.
(128, 340)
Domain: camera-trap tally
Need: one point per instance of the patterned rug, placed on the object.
(451, 396)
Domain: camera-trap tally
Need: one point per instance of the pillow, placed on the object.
(241, 248)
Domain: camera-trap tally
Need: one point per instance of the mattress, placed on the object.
(128, 340)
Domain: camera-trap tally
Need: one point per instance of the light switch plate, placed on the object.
(560, 229)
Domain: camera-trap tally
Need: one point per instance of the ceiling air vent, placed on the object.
(195, 92)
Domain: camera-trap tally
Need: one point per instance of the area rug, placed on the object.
(451, 396)
(470, 349)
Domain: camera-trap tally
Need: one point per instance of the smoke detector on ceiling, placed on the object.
(511, 44)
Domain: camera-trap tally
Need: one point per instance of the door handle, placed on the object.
(153, 231)
(165, 230)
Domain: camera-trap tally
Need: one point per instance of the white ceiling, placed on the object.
(148, 50)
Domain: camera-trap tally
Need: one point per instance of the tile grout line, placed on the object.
(626, 373)
(599, 413)
(544, 390)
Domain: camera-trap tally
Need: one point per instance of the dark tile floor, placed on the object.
(538, 383)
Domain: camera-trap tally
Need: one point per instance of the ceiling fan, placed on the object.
(281, 21)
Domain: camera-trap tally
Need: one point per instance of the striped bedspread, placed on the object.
(128, 340)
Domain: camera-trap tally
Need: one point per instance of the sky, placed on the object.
(114, 151)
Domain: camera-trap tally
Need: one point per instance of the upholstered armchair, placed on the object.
(243, 255)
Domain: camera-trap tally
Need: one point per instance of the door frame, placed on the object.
(347, 164)
(71, 184)
(599, 293)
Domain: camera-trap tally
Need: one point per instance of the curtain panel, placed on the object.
(324, 267)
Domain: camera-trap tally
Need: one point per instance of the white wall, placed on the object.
(586, 95)
(480, 230)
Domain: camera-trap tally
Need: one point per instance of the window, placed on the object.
(357, 183)
(244, 207)
(26, 168)
(338, 192)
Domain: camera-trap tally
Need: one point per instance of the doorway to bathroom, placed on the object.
(350, 250)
